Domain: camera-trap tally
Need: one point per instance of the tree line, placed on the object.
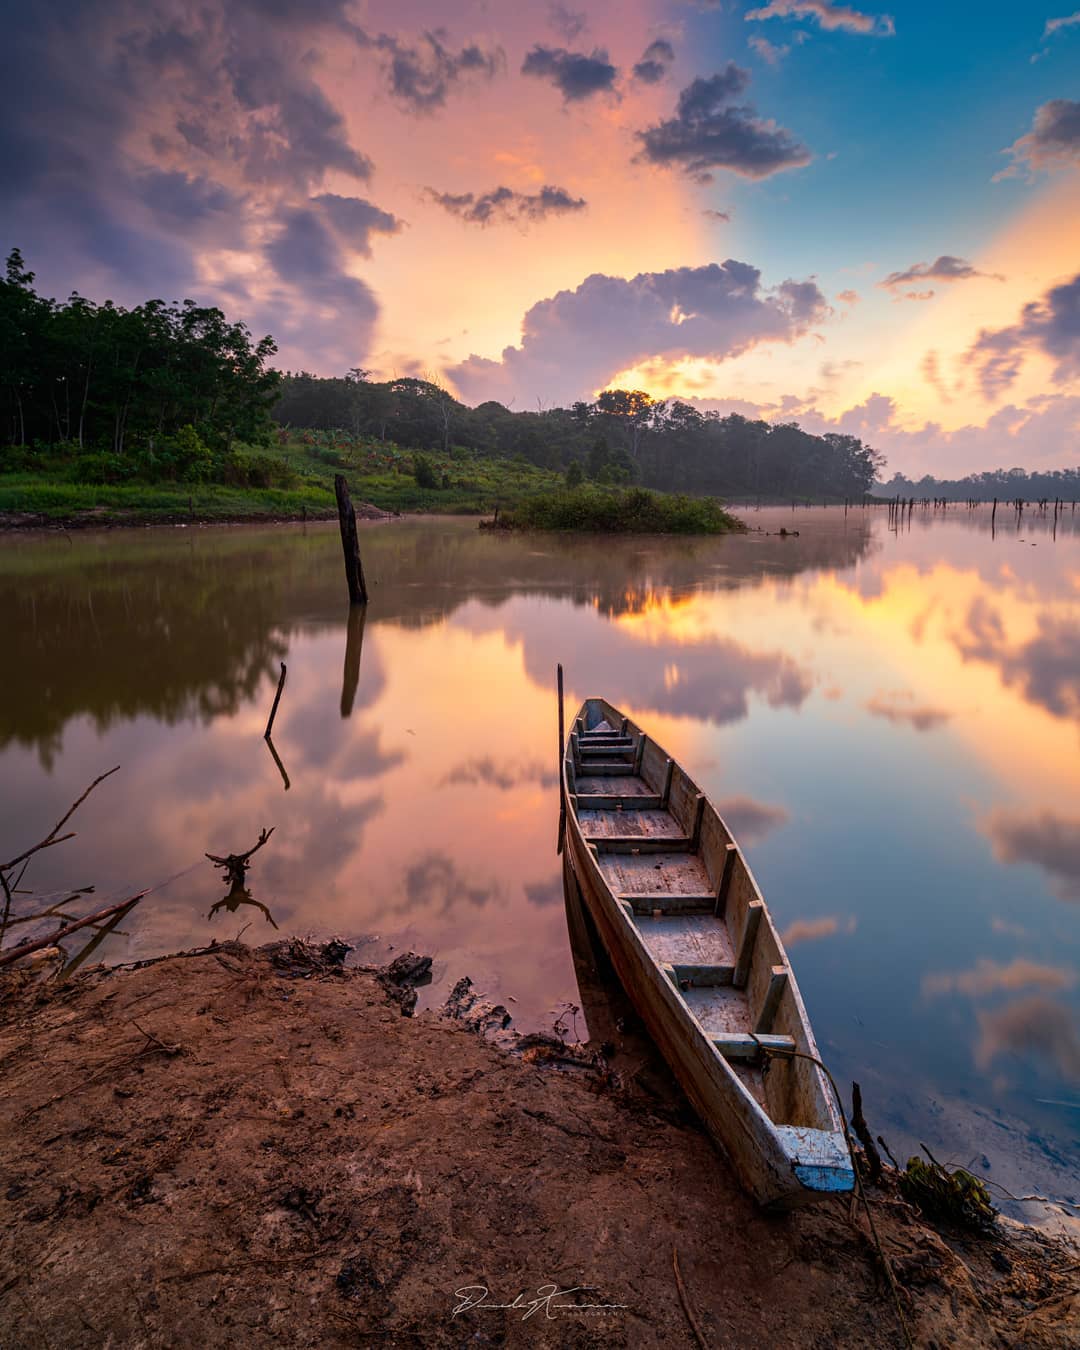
(1004, 484)
(623, 436)
(162, 389)
(167, 390)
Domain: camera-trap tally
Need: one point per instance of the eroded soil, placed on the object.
(243, 1147)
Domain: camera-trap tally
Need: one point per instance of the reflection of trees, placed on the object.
(177, 625)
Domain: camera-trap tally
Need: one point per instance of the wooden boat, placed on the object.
(693, 944)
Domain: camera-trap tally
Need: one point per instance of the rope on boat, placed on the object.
(801, 1054)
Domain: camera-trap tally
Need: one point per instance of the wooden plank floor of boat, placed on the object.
(672, 939)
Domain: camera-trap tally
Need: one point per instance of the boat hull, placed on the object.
(782, 1166)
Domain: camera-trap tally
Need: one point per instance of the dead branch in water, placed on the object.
(235, 865)
(6, 958)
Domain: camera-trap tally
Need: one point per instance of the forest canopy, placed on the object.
(161, 389)
(623, 436)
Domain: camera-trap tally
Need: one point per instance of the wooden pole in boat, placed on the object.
(562, 736)
(350, 543)
(562, 751)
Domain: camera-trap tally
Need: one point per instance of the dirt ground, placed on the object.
(256, 1147)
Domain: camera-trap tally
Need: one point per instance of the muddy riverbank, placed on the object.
(244, 1146)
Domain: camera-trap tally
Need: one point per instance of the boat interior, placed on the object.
(680, 879)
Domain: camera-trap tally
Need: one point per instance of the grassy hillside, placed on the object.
(301, 474)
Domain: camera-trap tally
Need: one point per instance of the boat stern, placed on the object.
(820, 1160)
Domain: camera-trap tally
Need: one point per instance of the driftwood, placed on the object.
(6, 958)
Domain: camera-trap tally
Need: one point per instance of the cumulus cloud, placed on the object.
(568, 23)
(848, 297)
(422, 75)
(945, 268)
(434, 885)
(1044, 838)
(900, 706)
(827, 15)
(355, 220)
(503, 776)
(751, 820)
(1052, 143)
(654, 63)
(710, 130)
(771, 53)
(157, 135)
(813, 930)
(305, 254)
(503, 203)
(574, 74)
(1035, 1026)
(1050, 325)
(1056, 25)
(573, 342)
(988, 977)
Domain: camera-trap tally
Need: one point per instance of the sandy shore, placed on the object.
(249, 1147)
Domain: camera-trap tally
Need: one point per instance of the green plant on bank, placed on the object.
(633, 511)
(943, 1194)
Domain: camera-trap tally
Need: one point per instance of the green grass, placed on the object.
(632, 511)
(79, 503)
(377, 472)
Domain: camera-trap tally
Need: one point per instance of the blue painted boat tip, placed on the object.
(836, 1179)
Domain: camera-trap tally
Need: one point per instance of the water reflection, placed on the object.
(889, 720)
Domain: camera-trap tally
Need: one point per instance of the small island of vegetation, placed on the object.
(632, 511)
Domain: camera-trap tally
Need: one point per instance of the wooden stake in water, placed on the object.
(350, 543)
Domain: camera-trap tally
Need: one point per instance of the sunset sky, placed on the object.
(860, 219)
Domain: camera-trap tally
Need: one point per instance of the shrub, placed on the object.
(574, 475)
(424, 472)
(635, 511)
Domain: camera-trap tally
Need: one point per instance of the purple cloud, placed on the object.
(1050, 325)
(573, 342)
(574, 74)
(1052, 143)
(503, 204)
(945, 268)
(711, 131)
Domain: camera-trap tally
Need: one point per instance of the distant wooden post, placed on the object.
(350, 543)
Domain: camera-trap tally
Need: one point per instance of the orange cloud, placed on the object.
(990, 978)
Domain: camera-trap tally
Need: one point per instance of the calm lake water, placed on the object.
(888, 718)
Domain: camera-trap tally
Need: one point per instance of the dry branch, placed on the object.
(51, 837)
(6, 958)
